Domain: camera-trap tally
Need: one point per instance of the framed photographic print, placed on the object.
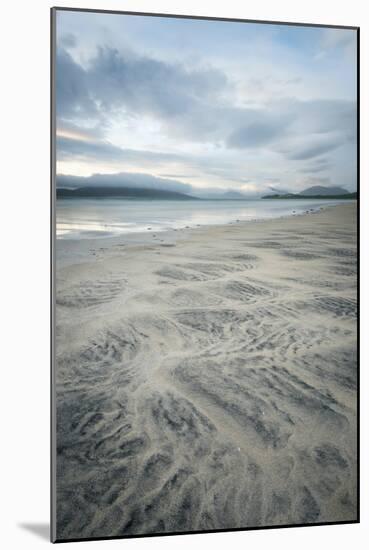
(205, 180)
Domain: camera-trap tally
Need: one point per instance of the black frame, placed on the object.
(53, 12)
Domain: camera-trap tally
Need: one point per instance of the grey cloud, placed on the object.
(76, 148)
(317, 181)
(73, 96)
(95, 132)
(278, 189)
(68, 40)
(331, 38)
(316, 166)
(319, 127)
(98, 150)
(188, 103)
(313, 169)
(295, 80)
(146, 181)
(309, 122)
(178, 176)
(149, 85)
(257, 133)
(114, 80)
(311, 128)
(304, 152)
(233, 127)
(193, 105)
(324, 116)
(268, 86)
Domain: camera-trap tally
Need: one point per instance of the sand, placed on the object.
(209, 381)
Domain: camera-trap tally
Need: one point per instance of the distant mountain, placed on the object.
(279, 191)
(219, 194)
(347, 195)
(320, 190)
(281, 196)
(121, 192)
(124, 180)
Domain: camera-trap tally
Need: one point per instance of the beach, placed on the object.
(206, 377)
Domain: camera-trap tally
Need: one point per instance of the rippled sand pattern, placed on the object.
(210, 384)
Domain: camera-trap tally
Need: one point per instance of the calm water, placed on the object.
(91, 218)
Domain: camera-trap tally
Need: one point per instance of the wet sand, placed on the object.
(208, 382)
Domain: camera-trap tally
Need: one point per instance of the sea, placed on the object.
(88, 218)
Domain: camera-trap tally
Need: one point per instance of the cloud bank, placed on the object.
(212, 118)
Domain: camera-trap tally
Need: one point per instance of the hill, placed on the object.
(346, 196)
(326, 191)
(121, 192)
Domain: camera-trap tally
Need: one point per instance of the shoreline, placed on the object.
(136, 233)
(90, 245)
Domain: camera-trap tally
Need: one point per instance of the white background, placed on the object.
(24, 217)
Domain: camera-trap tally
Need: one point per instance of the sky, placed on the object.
(205, 106)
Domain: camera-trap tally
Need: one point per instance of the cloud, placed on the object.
(278, 189)
(258, 133)
(149, 85)
(341, 40)
(98, 150)
(68, 40)
(324, 116)
(123, 81)
(178, 176)
(84, 149)
(313, 147)
(317, 127)
(331, 38)
(316, 166)
(146, 181)
(267, 127)
(69, 130)
(317, 181)
(74, 99)
(220, 118)
(189, 104)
